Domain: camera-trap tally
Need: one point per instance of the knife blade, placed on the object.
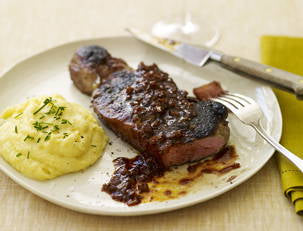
(189, 53)
(199, 56)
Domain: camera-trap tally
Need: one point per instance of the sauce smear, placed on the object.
(221, 162)
(142, 177)
(130, 178)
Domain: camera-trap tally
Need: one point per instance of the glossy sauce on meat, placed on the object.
(147, 109)
(160, 108)
(165, 113)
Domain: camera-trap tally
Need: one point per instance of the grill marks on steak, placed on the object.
(146, 109)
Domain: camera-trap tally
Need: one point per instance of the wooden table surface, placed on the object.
(27, 27)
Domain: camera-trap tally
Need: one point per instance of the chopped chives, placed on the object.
(46, 101)
(28, 137)
(47, 136)
(64, 121)
(55, 111)
(56, 128)
(18, 115)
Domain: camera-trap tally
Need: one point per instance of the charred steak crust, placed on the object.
(146, 108)
(92, 55)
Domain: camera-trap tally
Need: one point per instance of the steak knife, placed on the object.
(198, 56)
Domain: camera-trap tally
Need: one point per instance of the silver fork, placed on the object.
(249, 112)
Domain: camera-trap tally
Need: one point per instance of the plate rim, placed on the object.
(88, 210)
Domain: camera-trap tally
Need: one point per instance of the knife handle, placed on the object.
(278, 77)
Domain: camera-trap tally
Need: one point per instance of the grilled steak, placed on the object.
(146, 109)
(91, 62)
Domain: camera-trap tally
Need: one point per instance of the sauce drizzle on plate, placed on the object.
(143, 179)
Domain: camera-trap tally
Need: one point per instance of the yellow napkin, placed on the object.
(287, 53)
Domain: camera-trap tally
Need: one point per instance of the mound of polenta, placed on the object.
(46, 137)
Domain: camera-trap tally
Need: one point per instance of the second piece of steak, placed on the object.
(208, 91)
(89, 64)
(146, 109)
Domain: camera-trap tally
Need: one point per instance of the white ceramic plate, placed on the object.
(47, 73)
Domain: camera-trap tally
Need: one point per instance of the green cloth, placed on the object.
(287, 53)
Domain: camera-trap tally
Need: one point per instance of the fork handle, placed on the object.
(275, 76)
(298, 162)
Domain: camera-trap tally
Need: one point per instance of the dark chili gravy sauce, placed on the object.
(130, 178)
(142, 178)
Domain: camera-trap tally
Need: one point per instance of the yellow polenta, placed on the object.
(46, 137)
